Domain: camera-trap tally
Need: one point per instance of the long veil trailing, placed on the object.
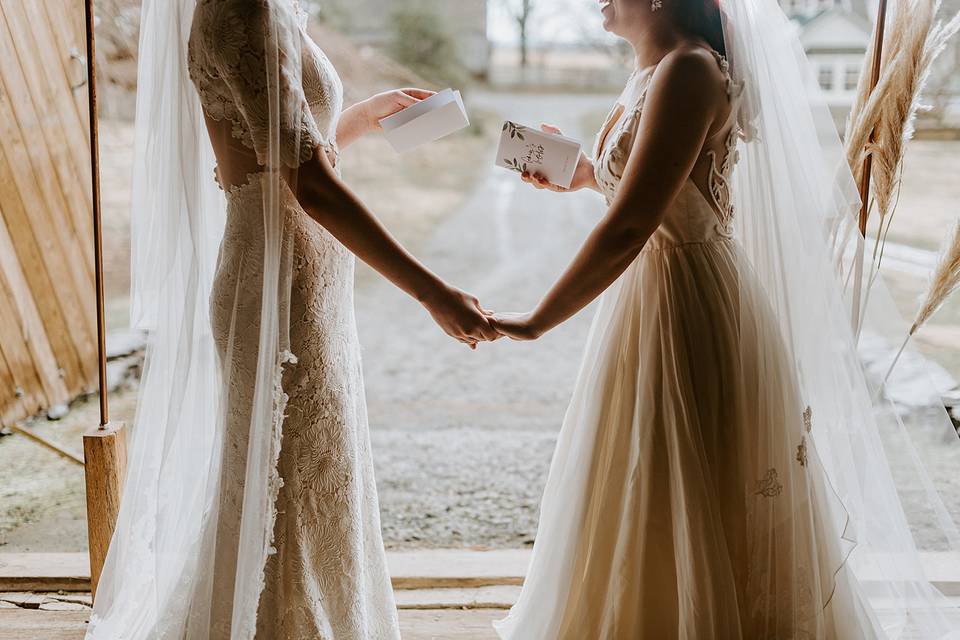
(796, 201)
(157, 579)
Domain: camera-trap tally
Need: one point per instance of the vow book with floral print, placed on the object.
(550, 155)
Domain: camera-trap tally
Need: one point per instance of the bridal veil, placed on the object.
(796, 215)
(795, 203)
(157, 579)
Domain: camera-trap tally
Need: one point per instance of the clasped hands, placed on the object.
(458, 313)
(462, 317)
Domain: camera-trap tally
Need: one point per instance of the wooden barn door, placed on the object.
(48, 343)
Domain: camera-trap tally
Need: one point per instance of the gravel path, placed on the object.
(463, 439)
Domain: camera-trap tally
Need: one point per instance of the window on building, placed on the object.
(825, 76)
(851, 76)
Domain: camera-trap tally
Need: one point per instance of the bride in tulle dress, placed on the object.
(686, 497)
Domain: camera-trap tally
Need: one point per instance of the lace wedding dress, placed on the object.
(326, 576)
(685, 499)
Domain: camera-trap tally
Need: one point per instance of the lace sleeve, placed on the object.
(249, 47)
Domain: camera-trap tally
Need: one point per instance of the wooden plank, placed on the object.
(445, 624)
(40, 124)
(48, 444)
(30, 325)
(501, 597)
(41, 62)
(429, 568)
(33, 178)
(21, 392)
(20, 624)
(66, 17)
(448, 568)
(70, 72)
(449, 624)
(30, 251)
(34, 600)
(12, 405)
(47, 570)
(44, 572)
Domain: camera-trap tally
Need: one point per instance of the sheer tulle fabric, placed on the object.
(252, 395)
(724, 470)
(796, 201)
(670, 481)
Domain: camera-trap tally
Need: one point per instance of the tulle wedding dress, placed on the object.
(722, 471)
(685, 499)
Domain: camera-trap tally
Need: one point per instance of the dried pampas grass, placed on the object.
(943, 283)
(913, 41)
(882, 117)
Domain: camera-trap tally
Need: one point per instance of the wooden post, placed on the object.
(864, 186)
(104, 448)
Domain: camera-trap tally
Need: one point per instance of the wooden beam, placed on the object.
(44, 572)
(48, 444)
(425, 569)
(18, 624)
(104, 448)
(105, 453)
(864, 186)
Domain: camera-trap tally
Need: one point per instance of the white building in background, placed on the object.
(836, 35)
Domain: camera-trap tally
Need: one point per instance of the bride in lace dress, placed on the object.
(256, 516)
(688, 496)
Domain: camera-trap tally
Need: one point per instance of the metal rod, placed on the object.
(97, 220)
(865, 176)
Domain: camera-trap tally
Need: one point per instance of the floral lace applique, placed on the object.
(614, 150)
(769, 486)
(324, 572)
(721, 170)
(802, 451)
(227, 64)
(808, 428)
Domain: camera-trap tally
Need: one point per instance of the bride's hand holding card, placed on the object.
(527, 150)
(426, 121)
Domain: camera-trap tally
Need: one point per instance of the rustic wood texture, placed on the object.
(44, 572)
(422, 569)
(18, 624)
(48, 339)
(105, 455)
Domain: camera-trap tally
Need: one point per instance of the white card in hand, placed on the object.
(552, 156)
(428, 120)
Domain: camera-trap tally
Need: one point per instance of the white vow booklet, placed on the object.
(552, 156)
(428, 120)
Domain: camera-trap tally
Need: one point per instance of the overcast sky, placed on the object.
(554, 21)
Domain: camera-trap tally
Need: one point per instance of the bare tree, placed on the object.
(522, 12)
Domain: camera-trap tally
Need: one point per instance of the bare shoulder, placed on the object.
(690, 70)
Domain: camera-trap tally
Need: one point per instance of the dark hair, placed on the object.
(701, 18)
